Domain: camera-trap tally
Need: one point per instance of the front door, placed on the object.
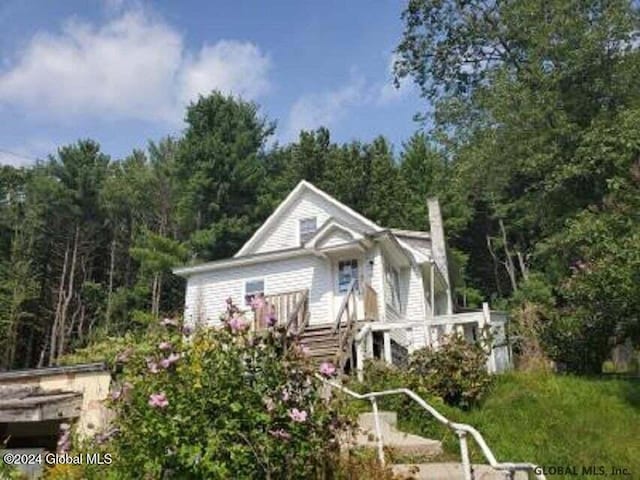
(345, 270)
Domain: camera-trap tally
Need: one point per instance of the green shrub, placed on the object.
(455, 371)
(221, 403)
(608, 367)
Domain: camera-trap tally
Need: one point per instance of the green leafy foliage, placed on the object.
(535, 108)
(218, 403)
(455, 371)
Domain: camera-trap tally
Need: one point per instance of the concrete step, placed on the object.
(400, 443)
(449, 471)
(367, 420)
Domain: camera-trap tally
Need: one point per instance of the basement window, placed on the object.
(308, 227)
(253, 288)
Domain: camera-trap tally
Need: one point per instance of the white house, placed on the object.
(351, 289)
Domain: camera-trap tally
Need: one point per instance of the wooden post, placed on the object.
(432, 297)
(370, 345)
(387, 348)
(484, 326)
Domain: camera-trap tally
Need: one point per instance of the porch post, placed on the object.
(432, 297)
(387, 347)
(484, 326)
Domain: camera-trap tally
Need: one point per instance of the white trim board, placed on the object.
(303, 185)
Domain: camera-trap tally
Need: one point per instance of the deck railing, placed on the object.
(299, 316)
(345, 325)
(284, 304)
(462, 430)
(484, 326)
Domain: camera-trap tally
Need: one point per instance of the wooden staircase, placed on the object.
(322, 342)
(332, 342)
(327, 342)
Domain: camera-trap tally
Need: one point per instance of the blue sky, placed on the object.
(121, 72)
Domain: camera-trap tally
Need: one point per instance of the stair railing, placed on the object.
(345, 324)
(462, 430)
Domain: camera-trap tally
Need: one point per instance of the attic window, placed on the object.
(253, 288)
(308, 227)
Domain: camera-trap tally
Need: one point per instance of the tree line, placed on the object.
(88, 242)
(530, 140)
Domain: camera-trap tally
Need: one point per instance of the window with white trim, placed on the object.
(347, 272)
(252, 288)
(308, 227)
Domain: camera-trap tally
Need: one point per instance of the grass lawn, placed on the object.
(550, 420)
(563, 420)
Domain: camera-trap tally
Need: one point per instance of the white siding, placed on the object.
(391, 314)
(285, 232)
(374, 277)
(334, 237)
(207, 292)
(415, 311)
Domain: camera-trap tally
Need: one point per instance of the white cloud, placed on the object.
(14, 159)
(134, 66)
(325, 109)
(26, 154)
(228, 66)
(388, 92)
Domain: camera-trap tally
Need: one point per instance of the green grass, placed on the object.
(549, 420)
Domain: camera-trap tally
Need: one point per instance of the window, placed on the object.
(253, 288)
(308, 227)
(347, 271)
(392, 287)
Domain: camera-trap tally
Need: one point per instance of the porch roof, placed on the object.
(244, 260)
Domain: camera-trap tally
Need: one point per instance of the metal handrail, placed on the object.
(461, 430)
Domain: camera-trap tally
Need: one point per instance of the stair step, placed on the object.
(322, 326)
(318, 333)
(400, 443)
(325, 352)
(311, 343)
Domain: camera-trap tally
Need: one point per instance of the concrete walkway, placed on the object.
(401, 443)
(449, 471)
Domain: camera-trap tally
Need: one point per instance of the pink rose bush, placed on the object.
(205, 403)
(298, 415)
(64, 440)
(158, 400)
(327, 369)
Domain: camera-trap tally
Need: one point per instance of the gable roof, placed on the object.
(302, 187)
(327, 227)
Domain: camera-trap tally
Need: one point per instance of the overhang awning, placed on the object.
(20, 403)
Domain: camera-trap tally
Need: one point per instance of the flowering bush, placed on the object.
(219, 403)
(455, 372)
